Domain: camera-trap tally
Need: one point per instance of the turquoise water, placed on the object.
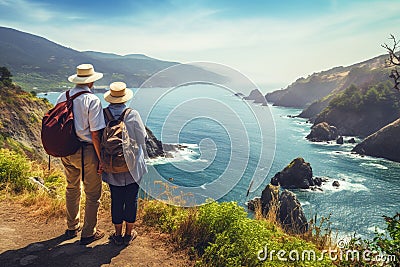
(370, 187)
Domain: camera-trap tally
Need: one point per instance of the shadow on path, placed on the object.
(61, 252)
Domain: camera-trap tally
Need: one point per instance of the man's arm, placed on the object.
(96, 135)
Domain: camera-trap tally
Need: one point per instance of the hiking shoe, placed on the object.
(69, 234)
(128, 238)
(117, 239)
(87, 240)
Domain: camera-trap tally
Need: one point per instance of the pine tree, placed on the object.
(5, 76)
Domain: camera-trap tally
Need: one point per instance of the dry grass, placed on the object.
(320, 233)
(42, 203)
(319, 230)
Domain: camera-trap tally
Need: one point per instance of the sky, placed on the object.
(271, 42)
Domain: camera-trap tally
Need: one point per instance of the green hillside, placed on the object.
(362, 111)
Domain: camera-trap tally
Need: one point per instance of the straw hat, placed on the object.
(85, 74)
(118, 93)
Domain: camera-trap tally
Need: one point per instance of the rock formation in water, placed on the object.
(340, 140)
(291, 214)
(153, 145)
(284, 208)
(322, 132)
(257, 97)
(297, 175)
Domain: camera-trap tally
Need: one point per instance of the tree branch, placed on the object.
(394, 59)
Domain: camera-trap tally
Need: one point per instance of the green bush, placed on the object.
(389, 242)
(239, 239)
(163, 216)
(14, 170)
(221, 234)
(217, 217)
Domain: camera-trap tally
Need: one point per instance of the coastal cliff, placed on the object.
(384, 143)
(317, 86)
(362, 111)
(21, 114)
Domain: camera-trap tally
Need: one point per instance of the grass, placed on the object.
(14, 171)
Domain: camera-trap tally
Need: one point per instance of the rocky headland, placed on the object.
(358, 100)
(257, 97)
(317, 86)
(385, 143)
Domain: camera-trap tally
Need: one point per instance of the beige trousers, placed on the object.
(91, 186)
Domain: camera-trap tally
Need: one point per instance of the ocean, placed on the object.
(230, 144)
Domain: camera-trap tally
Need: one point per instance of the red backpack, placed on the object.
(58, 134)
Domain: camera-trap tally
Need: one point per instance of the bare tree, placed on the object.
(394, 59)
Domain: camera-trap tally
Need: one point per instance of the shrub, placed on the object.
(14, 170)
(221, 234)
(389, 242)
(239, 239)
(203, 224)
(165, 217)
(218, 217)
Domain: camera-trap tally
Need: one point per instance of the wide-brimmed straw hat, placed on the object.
(118, 93)
(85, 74)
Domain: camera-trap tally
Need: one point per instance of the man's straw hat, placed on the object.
(85, 74)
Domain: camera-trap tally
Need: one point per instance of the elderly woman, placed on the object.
(124, 185)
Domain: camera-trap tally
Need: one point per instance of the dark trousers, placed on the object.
(124, 203)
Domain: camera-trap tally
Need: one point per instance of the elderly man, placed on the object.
(83, 167)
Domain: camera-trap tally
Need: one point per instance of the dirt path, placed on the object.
(26, 240)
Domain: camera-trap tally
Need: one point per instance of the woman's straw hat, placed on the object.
(118, 93)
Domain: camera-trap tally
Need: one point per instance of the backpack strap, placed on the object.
(107, 114)
(110, 117)
(122, 116)
(70, 99)
(75, 95)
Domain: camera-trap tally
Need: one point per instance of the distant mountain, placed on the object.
(317, 89)
(39, 64)
(100, 55)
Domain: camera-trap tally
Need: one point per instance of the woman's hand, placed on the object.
(100, 168)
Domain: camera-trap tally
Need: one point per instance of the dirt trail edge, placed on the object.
(28, 240)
